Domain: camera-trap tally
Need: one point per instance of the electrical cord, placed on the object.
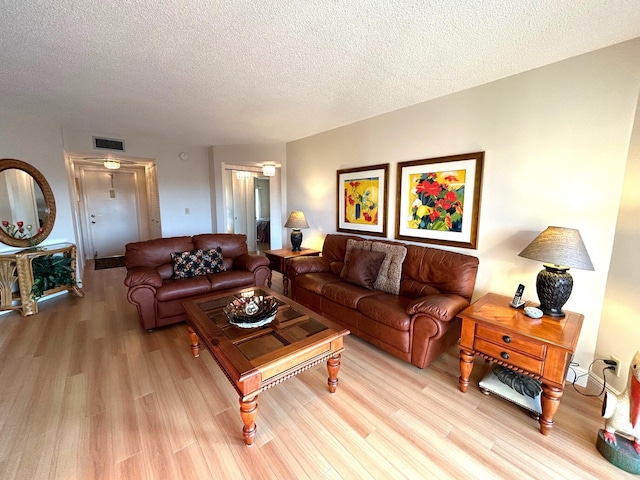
(604, 377)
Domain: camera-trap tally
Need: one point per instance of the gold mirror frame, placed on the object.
(6, 164)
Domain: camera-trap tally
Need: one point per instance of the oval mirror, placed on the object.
(27, 206)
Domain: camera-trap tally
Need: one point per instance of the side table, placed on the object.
(279, 260)
(540, 348)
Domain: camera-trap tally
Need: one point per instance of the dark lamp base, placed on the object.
(296, 240)
(554, 285)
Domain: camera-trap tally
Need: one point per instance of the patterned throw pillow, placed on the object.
(197, 262)
(391, 270)
(213, 261)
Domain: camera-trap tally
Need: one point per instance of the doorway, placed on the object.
(113, 207)
(247, 199)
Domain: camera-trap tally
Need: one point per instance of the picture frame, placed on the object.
(439, 200)
(362, 198)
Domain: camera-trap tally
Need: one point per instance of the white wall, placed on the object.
(620, 326)
(38, 142)
(556, 141)
(181, 184)
(252, 156)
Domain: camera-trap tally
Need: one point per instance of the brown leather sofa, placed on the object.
(417, 324)
(158, 296)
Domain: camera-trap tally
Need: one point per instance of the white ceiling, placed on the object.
(241, 71)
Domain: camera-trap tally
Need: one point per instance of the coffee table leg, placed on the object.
(248, 412)
(333, 366)
(195, 344)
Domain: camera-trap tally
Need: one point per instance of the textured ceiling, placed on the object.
(238, 71)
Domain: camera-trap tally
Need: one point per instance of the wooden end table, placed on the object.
(540, 348)
(255, 359)
(280, 259)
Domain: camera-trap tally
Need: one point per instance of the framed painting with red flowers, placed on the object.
(439, 200)
(362, 200)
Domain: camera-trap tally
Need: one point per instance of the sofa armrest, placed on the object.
(443, 307)
(250, 262)
(300, 265)
(143, 276)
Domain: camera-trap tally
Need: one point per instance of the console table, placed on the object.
(16, 277)
(279, 261)
(541, 348)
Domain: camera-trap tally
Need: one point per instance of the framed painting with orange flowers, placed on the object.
(362, 200)
(439, 200)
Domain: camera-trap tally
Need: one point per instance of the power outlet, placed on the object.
(616, 368)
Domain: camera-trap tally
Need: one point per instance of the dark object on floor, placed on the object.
(109, 262)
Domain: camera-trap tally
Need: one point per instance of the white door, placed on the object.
(112, 209)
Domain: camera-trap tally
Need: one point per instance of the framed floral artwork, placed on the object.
(362, 200)
(439, 200)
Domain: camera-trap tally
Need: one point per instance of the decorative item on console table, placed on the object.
(540, 348)
(27, 275)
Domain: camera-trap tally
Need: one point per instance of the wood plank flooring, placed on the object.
(85, 393)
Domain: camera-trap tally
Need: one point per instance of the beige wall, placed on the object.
(556, 141)
(620, 326)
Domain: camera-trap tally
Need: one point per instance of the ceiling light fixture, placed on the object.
(268, 169)
(243, 175)
(111, 164)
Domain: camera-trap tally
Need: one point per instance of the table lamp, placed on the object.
(296, 221)
(559, 249)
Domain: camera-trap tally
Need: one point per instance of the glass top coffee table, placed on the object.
(254, 359)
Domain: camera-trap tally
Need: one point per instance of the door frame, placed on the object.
(74, 164)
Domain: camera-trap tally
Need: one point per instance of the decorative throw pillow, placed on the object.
(353, 245)
(197, 262)
(391, 270)
(212, 260)
(187, 264)
(363, 268)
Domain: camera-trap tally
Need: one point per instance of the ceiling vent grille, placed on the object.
(108, 144)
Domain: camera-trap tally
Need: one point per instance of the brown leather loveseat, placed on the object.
(411, 313)
(152, 270)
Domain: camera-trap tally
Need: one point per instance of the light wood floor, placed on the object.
(86, 394)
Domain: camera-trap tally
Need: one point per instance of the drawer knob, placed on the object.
(507, 339)
(504, 355)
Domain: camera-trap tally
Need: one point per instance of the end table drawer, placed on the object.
(509, 356)
(510, 342)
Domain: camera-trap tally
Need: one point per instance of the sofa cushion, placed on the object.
(184, 287)
(363, 267)
(346, 294)
(351, 246)
(230, 279)
(388, 309)
(391, 270)
(315, 282)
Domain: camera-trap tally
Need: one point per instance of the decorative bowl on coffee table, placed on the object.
(251, 311)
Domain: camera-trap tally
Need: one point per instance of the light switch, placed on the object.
(187, 211)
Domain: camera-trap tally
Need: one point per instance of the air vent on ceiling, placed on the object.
(108, 144)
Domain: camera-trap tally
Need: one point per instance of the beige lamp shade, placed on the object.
(559, 246)
(296, 220)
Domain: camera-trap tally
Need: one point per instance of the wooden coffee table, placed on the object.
(254, 359)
